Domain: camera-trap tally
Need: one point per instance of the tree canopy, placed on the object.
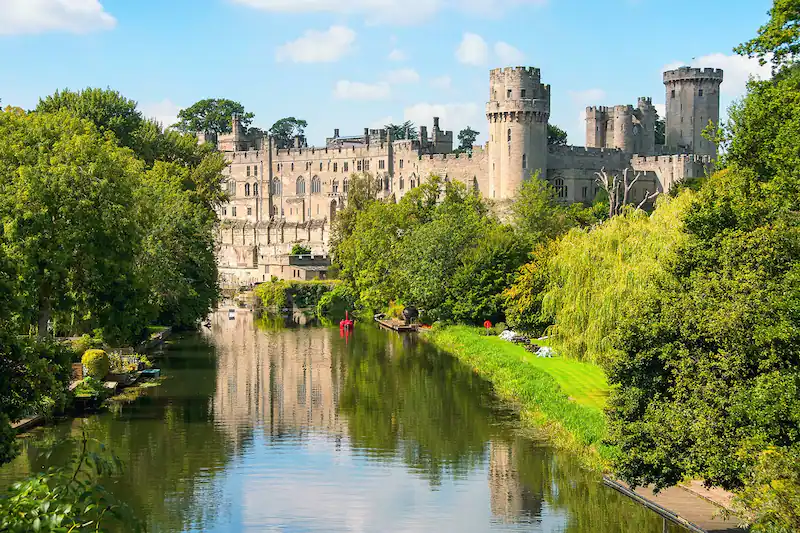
(406, 130)
(556, 136)
(466, 139)
(778, 41)
(286, 129)
(212, 115)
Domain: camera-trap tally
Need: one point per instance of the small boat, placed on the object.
(231, 314)
(346, 323)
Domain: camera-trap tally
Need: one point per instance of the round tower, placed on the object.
(692, 101)
(517, 111)
(623, 128)
(646, 142)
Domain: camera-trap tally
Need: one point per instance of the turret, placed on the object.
(623, 127)
(645, 136)
(596, 118)
(692, 101)
(517, 111)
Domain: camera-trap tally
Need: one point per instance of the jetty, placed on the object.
(693, 507)
(396, 325)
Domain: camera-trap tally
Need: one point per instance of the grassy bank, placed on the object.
(561, 396)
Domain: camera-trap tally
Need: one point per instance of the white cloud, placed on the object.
(473, 50)
(394, 12)
(507, 55)
(397, 55)
(403, 75)
(318, 46)
(39, 16)
(165, 112)
(380, 123)
(356, 90)
(737, 70)
(587, 97)
(442, 82)
(661, 109)
(453, 116)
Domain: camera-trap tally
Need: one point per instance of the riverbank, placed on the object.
(563, 397)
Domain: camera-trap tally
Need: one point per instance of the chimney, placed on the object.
(435, 123)
(336, 133)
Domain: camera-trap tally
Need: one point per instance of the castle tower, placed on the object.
(692, 100)
(645, 136)
(596, 118)
(623, 128)
(517, 111)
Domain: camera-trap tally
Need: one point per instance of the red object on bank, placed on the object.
(487, 325)
(346, 324)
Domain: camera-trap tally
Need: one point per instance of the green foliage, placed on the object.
(395, 310)
(212, 115)
(83, 343)
(285, 130)
(660, 131)
(466, 139)
(771, 498)
(67, 498)
(333, 304)
(405, 130)
(90, 387)
(523, 298)
(299, 249)
(272, 295)
(301, 294)
(597, 276)
(97, 363)
(556, 136)
(778, 41)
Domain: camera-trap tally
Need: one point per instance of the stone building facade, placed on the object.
(281, 197)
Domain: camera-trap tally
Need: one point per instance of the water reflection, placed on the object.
(264, 428)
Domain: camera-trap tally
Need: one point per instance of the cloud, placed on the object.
(391, 12)
(661, 109)
(39, 16)
(472, 50)
(442, 82)
(587, 97)
(507, 55)
(164, 112)
(403, 75)
(454, 116)
(738, 70)
(397, 55)
(380, 123)
(318, 46)
(356, 90)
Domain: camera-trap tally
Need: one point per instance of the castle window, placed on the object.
(524, 160)
(232, 188)
(276, 187)
(381, 164)
(225, 211)
(584, 193)
(335, 186)
(335, 167)
(509, 134)
(387, 184)
(475, 183)
(673, 93)
(249, 211)
(366, 165)
(508, 93)
(247, 189)
(255, 171)
(522, 93)
(255, 189)
(401, 163)
(345, 166)
(413, 183)
(316, 185)
(300, 187)
(401, 183)
(345, 186)
(292, 166)
(358, 166)
(233, 211)
(320, 166)
(318, 209)
(700, 92)
(248, 170)
(561, 189)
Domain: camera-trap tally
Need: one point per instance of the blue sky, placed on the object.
(351, 64)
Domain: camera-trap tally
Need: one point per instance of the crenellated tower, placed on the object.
(645, 133)
(692, 101)
(517, 111)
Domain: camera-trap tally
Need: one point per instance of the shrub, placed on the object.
(395, 309)
(334, 303)
(299, 249)
(97, 363)
(85, 342)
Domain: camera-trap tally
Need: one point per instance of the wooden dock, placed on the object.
(682, 506)
(396, 325)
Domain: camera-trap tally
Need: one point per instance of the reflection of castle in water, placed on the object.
(511, 500)
(283, 382)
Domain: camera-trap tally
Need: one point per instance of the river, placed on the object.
(260, 427)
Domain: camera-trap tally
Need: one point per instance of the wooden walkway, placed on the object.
(682, 506)
(396, 325)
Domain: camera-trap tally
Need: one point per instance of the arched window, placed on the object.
(475, 183)
(335, 186)
(255, 189)
(401, 183)
(413, 182)
(276, 187)
(387, 184)
(345, 186)
(316, 185)
(247, 189)
(509, 134)
(300, 188)
(524, 160)
(561, 189)
(232, 188)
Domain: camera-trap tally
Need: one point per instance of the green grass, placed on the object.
(564, 396)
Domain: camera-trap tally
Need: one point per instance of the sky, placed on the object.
(353, 64)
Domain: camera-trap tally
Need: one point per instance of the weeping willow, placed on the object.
(598, 276)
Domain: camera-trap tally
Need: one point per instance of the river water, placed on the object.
(259, 427)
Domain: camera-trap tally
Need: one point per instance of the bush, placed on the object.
(97, 363)
(85, 342)
(299, 249)
(334, 303)
(395, 310)
(272, 294)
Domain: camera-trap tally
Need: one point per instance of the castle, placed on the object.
(283, 196)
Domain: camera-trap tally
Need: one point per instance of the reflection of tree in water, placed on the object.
(407, 398)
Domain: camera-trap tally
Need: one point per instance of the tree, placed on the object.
(70, 230)
(286, 129)
(536, 213)
(778, 41)
(556, 136)
(466, 139)
(299, 249)
(212, 115)
(618, 190)
(108, 110)
(660, 131)
(406, 130)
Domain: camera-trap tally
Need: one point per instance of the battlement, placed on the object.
(597, 109)
(689, 73)
(521, 71)
(584, 151)
(644, 101)
(623, 109)
(677, 158)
